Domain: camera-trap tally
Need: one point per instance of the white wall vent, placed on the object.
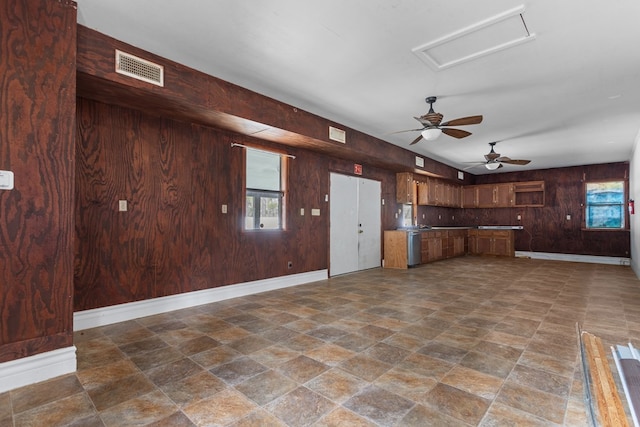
(337, 135)
(139, 68)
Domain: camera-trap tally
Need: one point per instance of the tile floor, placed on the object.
(463, 342)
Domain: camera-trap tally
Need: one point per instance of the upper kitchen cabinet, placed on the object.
(495, 195)
(406, 188)
(470, 196)
(436, 192)
(528, 194)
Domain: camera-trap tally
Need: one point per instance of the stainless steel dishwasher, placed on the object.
(413, 248)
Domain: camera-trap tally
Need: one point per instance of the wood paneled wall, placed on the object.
(37, 99)
(546, 229)
(174, 237)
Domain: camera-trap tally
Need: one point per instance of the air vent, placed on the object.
(139, 68)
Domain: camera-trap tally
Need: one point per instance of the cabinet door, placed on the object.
(405, 188)
(457, 244)
(503, 195)
(503, 243)
(472, 239)
(469, 196)
(424, 247)
(423, 193)
(435, 249)
(440, 193)
(484, 243)
(486, 196)
(455, 199)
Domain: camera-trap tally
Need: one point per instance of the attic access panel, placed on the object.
(496, 33)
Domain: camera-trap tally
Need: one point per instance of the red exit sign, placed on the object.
(357, 169)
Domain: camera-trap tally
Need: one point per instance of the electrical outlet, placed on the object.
(519, 217)
(224, 209)
(568, 217)
(122, 205)
(301, 211)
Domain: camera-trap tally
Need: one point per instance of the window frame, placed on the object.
(623, 205)
(257, 193)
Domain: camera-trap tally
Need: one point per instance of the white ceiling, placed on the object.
(570, 96)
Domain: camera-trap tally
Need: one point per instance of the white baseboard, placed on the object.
(122, 312)
(575, 258)
(33, 369)
(44, 366)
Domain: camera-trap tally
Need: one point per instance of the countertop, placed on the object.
(479, 227)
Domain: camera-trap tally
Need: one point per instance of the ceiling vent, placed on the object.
(139, 68)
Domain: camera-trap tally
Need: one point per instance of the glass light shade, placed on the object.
(431, 133)
(492, 166)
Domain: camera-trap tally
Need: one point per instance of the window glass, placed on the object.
(605, 204)
(264, 195)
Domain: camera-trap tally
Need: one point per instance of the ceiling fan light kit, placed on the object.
(492, 166)
(431, 133)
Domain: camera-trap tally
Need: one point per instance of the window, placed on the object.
(605, 207)
(264, 190)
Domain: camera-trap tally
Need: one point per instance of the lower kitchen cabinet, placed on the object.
(456, 243)
(431, 245)
(491, 242)
(442, 244)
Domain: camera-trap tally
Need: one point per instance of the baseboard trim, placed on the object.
(575, 258)
(33, 369)
(102, 316)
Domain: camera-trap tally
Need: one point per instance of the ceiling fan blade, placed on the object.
(407, 130)
(471, 120)
(456, 133)
(415, 141)
(474, 165)
(516, 162)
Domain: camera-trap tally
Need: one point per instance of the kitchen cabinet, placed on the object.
(432, 245)
(456, 243)
(495, 195)
(528, 194)
(442, 193)
(491, 242)
(405, 188)
(424, 195)
(470, 196)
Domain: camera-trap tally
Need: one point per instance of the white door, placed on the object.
(355, 224)
(369, 223)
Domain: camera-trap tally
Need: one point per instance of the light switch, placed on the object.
(6, 180)
(122, 205)
(224, 209)
(301, 211)
(568, 217)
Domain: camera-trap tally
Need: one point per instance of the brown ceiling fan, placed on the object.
(495, 160)
(432, 125)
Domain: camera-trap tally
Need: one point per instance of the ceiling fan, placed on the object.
(495, 160)
(432, 126)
